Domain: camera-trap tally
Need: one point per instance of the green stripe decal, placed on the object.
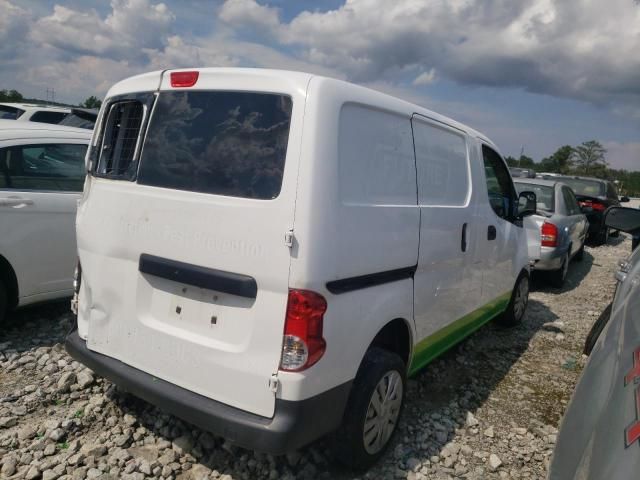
(441, 341)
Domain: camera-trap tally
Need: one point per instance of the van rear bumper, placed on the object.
(294, 424)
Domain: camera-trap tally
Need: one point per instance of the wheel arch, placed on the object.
(395, 336)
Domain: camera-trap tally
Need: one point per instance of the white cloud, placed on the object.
(425, 78)
(584, 49)
(131, 25)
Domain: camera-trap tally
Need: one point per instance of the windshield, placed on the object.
(10, 113)
(73, 120)
(217, 142)
(544, 194)
(590, 188)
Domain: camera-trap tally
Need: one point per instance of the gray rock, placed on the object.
(50, 475)
(471, 420)
(148, 453)
(66, 380)
(8, 422)
(84, 379)
(9, 467)
(32, 473)
(494, 462)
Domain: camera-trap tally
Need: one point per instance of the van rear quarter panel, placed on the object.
(356, 214)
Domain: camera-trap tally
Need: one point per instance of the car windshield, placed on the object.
(544, 194)
(591, 188)
(10, 113)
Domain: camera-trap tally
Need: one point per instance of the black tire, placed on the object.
(614, 234)
(3, 301)
(603, 236)
(558, 277)
(580, 254)
(596, 330)
(513, 315)
(348, 443)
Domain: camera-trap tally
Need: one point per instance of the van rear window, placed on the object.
(217, 142)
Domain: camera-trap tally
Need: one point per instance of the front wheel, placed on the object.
(371, 416)
(517, 307)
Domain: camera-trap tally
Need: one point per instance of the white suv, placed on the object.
(41, 176)
(28, 112)
(269, 254)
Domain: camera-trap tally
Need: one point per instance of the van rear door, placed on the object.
(185, 266)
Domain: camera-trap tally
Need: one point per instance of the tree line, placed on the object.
(587, 159)
(14, 96)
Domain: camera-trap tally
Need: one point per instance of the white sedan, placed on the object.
(42, 173)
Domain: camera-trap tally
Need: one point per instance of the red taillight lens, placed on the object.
(597, 206)
(184, 79)
(549, 235)
(303, 344)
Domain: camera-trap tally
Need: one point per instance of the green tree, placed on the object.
(588, 158)
(560, 161)
(91, 102)
(10, 96)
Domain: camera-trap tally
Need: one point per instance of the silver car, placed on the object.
(557, 232)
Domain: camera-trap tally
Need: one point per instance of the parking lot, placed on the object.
(489, 408)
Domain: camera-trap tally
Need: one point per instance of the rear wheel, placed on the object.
(558, 277)
(371, 416)
(580, 254)
(3, 300)
(517, 307)
(603, 236)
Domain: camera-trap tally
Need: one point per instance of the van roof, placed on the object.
(150, 81)
(10, 130)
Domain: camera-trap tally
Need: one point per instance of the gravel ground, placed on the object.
(489, 408)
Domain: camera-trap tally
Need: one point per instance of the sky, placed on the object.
(531, 74)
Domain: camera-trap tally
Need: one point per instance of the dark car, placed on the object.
(594, 196)
(600, 433)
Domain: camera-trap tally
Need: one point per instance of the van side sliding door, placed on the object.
(447, 282)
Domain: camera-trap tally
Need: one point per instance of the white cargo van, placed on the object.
(269, 254)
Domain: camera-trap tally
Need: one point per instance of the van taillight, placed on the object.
(303, 344)
(184, 79)
(549, 235)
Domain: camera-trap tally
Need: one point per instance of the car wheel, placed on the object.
(558, 277)
(373, 410)
(580, 254)
(596, 330)
(517, 307)
(3, 301)
(603, 236)
(614, 234)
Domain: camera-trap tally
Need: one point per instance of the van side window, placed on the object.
(43, 167)
(119, 140)
(375, 157)
(502, 196)
(442, 165)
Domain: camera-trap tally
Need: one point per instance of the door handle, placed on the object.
(463, 243)
(15, 202)
(491, 233)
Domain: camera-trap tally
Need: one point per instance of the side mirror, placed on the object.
(624, 199)
(624, 219)
(527, 204)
